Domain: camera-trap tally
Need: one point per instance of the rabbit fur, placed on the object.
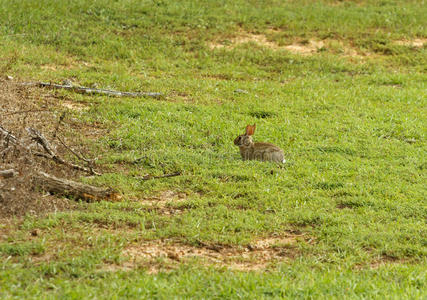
(257, 151)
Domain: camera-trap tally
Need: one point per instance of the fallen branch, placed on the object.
(8, 173)
(41, 140)
(90, 162)
(92, 91)
(148, 176)
(8, 136)
(74, 189)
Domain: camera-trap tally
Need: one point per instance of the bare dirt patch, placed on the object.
(301, 47)
(243, 38)
(382, 261)
(262, 253)
(74, 106)
(164, 200)
(417, 43)
(165, 197)
(310, 47)
(175, 96)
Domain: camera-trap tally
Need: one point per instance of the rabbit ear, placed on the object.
(250, 129)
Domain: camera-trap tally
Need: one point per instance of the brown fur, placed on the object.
(257, 151)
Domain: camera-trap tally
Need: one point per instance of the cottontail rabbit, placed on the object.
(260, 151)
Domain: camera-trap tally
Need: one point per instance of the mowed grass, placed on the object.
(352, 128)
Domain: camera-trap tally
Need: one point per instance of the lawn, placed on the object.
(340, 86)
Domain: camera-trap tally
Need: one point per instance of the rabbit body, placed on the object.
(257, 151)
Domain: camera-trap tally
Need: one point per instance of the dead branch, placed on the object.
(8, 136)
(92, 91)
(11, 139)
(8, 173)
(41, 140)
(90, 162)
(74, 189)
(148, 176)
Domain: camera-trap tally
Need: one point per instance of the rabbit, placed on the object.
(259, 151)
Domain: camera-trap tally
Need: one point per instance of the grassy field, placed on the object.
(339, 85)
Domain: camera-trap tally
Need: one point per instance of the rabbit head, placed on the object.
(245, 140)
(259, 151)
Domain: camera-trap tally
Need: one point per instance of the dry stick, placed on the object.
(87, 90)
(80, 156)
(90, 162)
(148, 177)
(52, 183)
(10, 138)
(8, 135)
(8, 173)
(39, 138)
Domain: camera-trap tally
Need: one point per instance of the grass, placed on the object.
(352, 128)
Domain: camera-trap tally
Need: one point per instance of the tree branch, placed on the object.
(92, 91)
(41, 140)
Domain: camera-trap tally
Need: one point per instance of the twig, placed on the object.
(87, 90)
(7, 135)
(148, 176)
(8, 173)
(40, 139)
(90, 162)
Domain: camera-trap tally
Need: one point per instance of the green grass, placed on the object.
(352, 129)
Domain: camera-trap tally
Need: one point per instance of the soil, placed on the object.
(22, 107)
(164, 255)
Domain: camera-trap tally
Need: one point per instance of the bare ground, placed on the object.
(305, 46)
(22, 107)
(163, 255)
